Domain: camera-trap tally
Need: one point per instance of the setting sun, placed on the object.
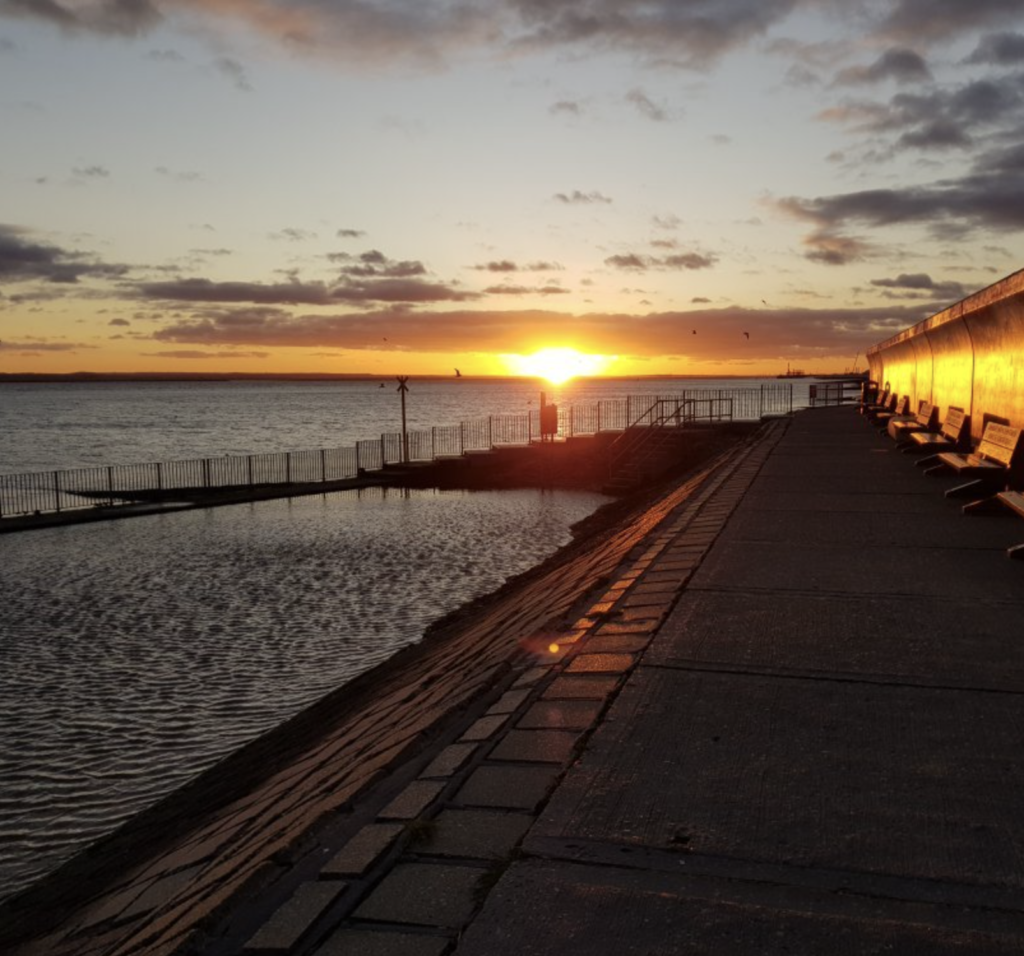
(558, 365)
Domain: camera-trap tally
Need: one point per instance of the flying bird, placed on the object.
(458, 374)
(694, 331)
(747, 334)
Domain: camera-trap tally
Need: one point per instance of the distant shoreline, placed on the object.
(78, 377)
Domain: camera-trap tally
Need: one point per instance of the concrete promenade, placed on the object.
(782, 712)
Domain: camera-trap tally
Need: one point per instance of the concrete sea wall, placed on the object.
(970, 356)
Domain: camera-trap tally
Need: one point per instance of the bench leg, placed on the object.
(967, 490)
(937, 470)
(1016, 552)
(927, 461)
(984, 506)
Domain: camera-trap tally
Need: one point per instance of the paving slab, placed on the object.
(954, 573)
(536, 746)
(425, 894)
(508, 787)
(354, 942)
(449, 760)
(881, 499)
(871, 530)
(412, 801)
(914, 782)
(362, 850)
(295, 917)
(589, 663)
(562, 909)
(560, 715)
(582, 686)
(897, 639)
(474, 834)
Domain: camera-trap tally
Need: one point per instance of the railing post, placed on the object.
(323, 465)
(110, 484)
(357, 459)
(159, 476)
(287, 467)
(598, 432)
(383, 452)
(490, 432)
(249, 469)
(56, 490)
(433, 442)
(462, 439)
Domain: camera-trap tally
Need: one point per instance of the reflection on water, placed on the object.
(136, 653)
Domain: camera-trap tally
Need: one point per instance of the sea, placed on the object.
(138, 653)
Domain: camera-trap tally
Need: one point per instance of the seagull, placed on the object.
(694, 331)
(458, 374)
(747, 334)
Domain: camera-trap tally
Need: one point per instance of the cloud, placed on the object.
(921, 20)
(30, 346)
(901, 65)
(430, 34)
(119, 322)
(350, 234)
(566, 107)
(921, 285)
(504, 265)
(234, 71)
(687, 260)
(507, 289)
(23, 260)
(987, 197)
(404, 290)
(196, 354)
(293, 235)
(91, 172)
(940, 118)
(578, 197)
(999, 49)
(646, 106)
(7, 46)
(181, 177)
(773, 332)
(507, 265)
(375, 263)
(113, 17)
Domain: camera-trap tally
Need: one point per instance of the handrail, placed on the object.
(118, 485)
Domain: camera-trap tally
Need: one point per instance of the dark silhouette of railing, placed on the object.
(119, 485)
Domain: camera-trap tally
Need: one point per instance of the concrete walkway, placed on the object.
(791, 722)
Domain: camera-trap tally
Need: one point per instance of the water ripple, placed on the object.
(139, 652)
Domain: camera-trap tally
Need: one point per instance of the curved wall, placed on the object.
(970, 355)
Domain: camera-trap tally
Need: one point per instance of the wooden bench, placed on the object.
(1013, 500)
(900, 411)
(925, 420)
(953, 436)
(878, 400)
(988, 465)
(884, 407)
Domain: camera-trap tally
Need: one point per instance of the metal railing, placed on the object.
(56, 491)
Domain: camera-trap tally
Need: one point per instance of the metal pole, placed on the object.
(323, 465)
(56, 490)
(490, 432)
(402, 389)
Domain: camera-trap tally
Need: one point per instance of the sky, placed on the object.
(702, 187)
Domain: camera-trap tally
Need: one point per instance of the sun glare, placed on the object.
(558, 365)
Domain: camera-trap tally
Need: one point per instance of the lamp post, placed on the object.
(402, 389)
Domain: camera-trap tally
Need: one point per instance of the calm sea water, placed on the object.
(45, 427)
(138, 652)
